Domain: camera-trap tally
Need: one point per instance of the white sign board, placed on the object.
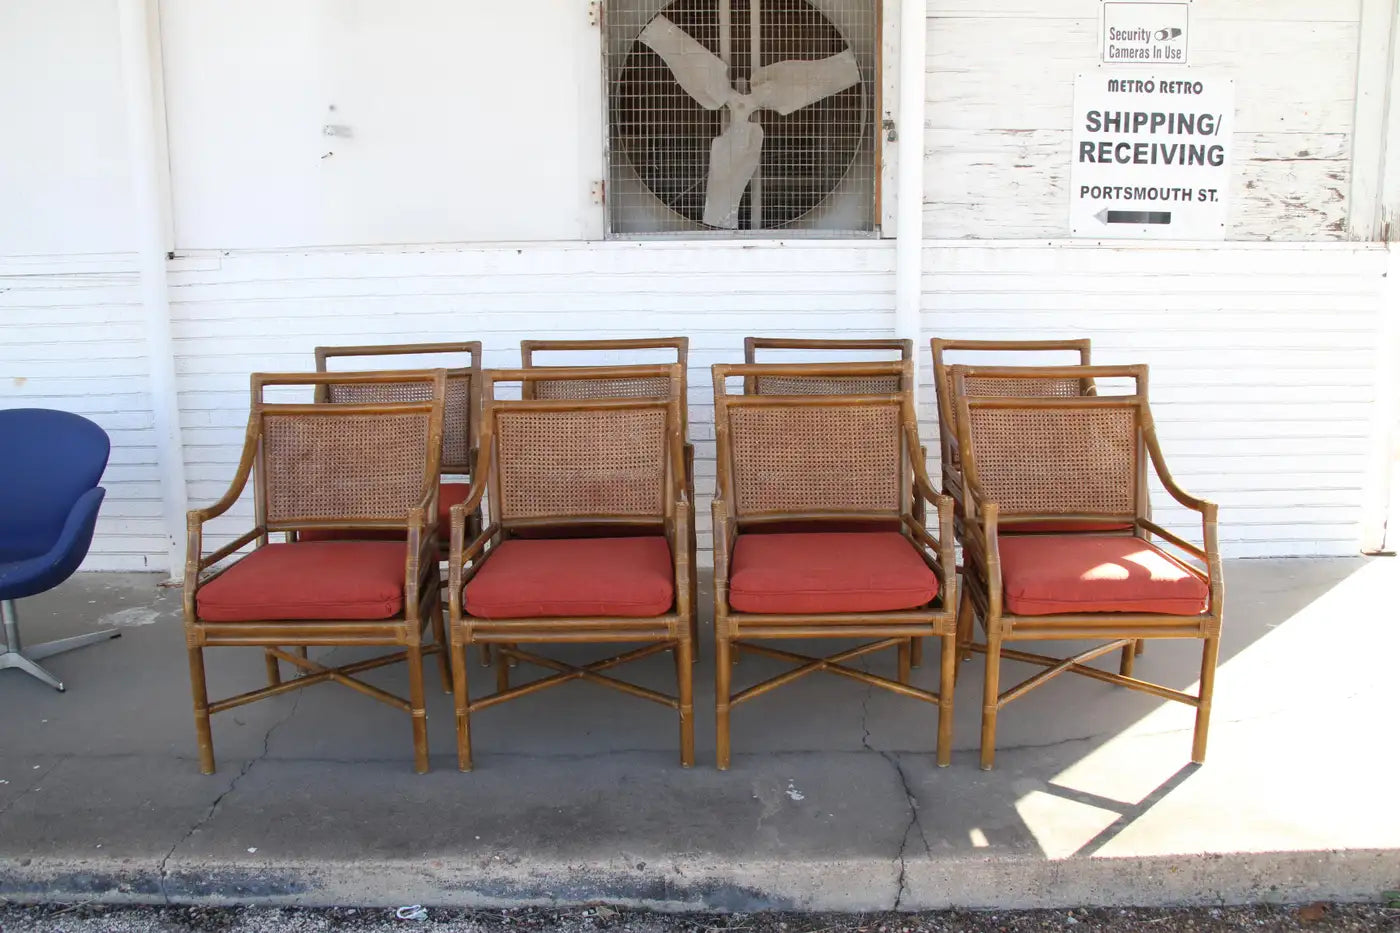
(1145, 33)
(1151, 156)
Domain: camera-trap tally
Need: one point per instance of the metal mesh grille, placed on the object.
(827, 385)
(456, 415)
(343, 466)
(668, 101)
(842, 458)
(645, 387)
(581, 463)
(1056, 460)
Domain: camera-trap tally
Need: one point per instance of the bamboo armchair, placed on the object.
(588, 539)
(625, 385)
(1033, 456)
(461, 408)
(835, 460)
(317, 467)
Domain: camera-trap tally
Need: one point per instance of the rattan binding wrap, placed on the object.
(581, 463)
(457, 415)
(796, 459)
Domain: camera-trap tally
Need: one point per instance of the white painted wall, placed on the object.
(1262, 354)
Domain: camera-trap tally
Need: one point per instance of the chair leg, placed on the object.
(417, 708)
(947, 683)
(685, 679)
(460, 700)
(274, 670)
(1125, 665)
(1141, 644)
(13, 660)
(502, 672)
(444, 665)
(990, 687)
(1210, 654)
(916, 652)
(204, 736)
(967, 619)
(722, 674)
(485, 653)
(906, 652)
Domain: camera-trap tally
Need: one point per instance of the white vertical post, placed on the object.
(150, 191)
(909, 210)
(1373, 125)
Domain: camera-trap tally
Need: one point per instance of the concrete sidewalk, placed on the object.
(833, 802)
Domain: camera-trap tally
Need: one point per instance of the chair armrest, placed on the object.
(45, 571)
(918, 456)
(981, 537)
(1209, 511)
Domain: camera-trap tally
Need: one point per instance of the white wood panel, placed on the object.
(1270, 11)
(64, 181)
(463, 121)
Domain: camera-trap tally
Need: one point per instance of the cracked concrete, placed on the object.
(577, 794)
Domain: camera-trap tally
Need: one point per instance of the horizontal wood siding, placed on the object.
(1258, 406)
(72, 337)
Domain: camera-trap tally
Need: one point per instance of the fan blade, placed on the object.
(792, 85)
(734, 156)
(696, 69)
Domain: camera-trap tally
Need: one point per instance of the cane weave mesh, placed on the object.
(1056, 460)
(638, 387)
(1018, 387)
(827, 385)
(343, 466)
(801, 459)
(456, 413)
(581, 463)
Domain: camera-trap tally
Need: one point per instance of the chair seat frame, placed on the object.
(421, 595)
(739, 632)
(670, 631)
(982, 599)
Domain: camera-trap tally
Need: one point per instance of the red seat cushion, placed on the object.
(573, 577)
(341, 580)
(828, 572)
(449, 494)
(1050, 574)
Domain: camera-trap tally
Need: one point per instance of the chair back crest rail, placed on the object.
(462, 401)
(621, 386)
(830, 385)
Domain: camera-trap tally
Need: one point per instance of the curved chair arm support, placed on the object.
(37, 574)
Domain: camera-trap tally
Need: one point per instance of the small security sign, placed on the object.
(1151, 155)
(1136, 33)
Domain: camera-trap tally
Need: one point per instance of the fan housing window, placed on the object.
(741, 117)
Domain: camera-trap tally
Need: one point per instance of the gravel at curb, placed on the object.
(134, 919)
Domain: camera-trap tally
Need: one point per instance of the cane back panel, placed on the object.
(587, 463)
(1047, 460)
(812, 458)
(459, 408)
(351, 466)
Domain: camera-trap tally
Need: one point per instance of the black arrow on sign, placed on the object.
(1135, 217)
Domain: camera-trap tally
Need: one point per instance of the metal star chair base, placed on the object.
(17, 657)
